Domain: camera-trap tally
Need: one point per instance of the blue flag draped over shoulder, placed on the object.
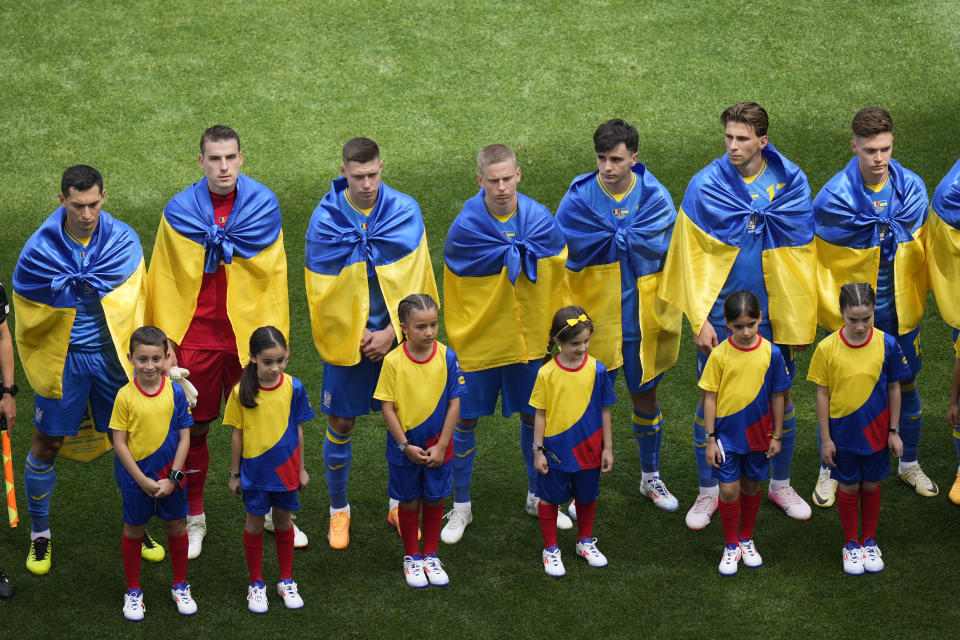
(250, 245)
(713, 218)
(338, 252)
(604, 257)
(943, 246)
(47, 283)
(851, 237)
(500, 293)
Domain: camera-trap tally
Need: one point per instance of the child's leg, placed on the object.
(409, 514)
(283, 538)
(130, 550)
(749, 507)
(548, 523)
(729, 508)
(848, 498)
(432, 520)
(177, 539)
(869, 508)
(253, 546)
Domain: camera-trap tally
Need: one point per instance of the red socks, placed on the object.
(198, 461)
(730, 519)
(253, 551)
(130, 550)
(178, 556)
(869, 512)
(408, 530)
(548, 523)
(284, 542)
(432, 519)
(749, 507)
(585, 519)
(847, 508)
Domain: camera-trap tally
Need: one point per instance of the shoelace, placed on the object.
(455, 513)
(289, 588)
(40, 546)
(659, 486)
(432, 564)
(703, 504)
(148, 541)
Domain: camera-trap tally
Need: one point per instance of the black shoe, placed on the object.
(6, 589)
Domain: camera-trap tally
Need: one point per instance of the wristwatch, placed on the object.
(712, 435)
(234, 475)
(403, 446)
(894, 430)
(176, 476)
(13, 390)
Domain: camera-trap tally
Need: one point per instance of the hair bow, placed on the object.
(573, 321)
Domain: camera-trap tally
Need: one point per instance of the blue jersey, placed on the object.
(89, 332)
(379, 317)
(885, 314)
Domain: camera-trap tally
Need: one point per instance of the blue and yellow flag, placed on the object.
(500, 292)
(250, 245)
(337, 255)
(714, 216)
(851, 237)
(943, 246)
(608, 255)
(47, 283)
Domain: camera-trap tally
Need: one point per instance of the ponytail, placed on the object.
(262, 339)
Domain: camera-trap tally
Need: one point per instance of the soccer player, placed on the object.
(8, 399)
(366, 250)
(871, 226)
(746, 222)
(78, 289)
(219, 239)
(503, 275)
(617, 223)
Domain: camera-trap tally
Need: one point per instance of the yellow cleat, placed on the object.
(150, 550)
(955, 491)
(916, 478)
(339, 535)
(38, 560)
(393, 519)
(825, 492)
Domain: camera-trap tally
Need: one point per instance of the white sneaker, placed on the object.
(749, 555)
(790, 501)
(730, 560)
(457, 521)
(572, 507)
(300, 540)
(852, 559)
(825, 493)
(196, 530)
(287, 589)
(870, 554)
(552, 563)
(700, 513)
(257, 597)
(532, 507)
(589, 551)
(434, 570)
(413, 572)
(133, 608)
(186, 605)
(657, 491)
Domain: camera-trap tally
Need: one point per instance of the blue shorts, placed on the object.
(514, 382)
(558, 486)
(752, 466)
(852, 468)
(910, 345)
(139, 507)
(633, 370)
(409, 482)
(347, 392)
(88, 379)
(259, 502)
(788, 351)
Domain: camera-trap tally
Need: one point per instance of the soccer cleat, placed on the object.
(6, 589)
(572, 509)
(433, 568)
(552, 563)
(393, 519)
(257, 597)
(954, 494)
(870, 555)
(916, 478)
(339, 535)
(287, 589)
(300, 540)
(852, 559)
(825, 493)
(532, 508)
(657, 491)
(186, 605)
(38, 559)
(749, 555)
(413, 572)
(196, 530)
(133, 608)
(730, 560)
(457, 521)
(790, 501)
(702, 510)
(588, 551)
(150, 550)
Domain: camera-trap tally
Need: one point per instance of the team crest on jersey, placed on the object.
(327, 399)
(461, 380)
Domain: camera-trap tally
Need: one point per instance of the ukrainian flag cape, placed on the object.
(337, 254)
(250, 245)
(500, 293)
(943, 246)
(47, 282)
(599, 249)
(706, 240)
(849, 244)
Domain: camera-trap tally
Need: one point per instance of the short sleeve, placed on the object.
(233, 414)
(456, 383)
(607, 396)
(779, 376)
(538, 398)
(896, 363)
(300, 407)
(817, 373)
(120, 418)
(386, 384)
(181, 407)
(712, 371)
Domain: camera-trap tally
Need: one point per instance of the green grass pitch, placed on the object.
(129, 86)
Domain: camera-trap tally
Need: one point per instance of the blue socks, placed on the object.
(337, 454)
(707, 481)
(780, 464)
(464, 453)
(526, 446)
(39, 479)
(911, 419)
(648, 430)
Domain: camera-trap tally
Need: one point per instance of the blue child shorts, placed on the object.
(139, 507)
(853, 468)
(556, 487)
(260, 502)
(409, 482)
(753, 466)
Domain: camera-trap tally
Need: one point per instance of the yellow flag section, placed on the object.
(943, 266)
(788, 273)
(43, 332)
(838, 265)
(660, 327)
(340, 304)
(256, 287)
(88, 445)
(491, 323)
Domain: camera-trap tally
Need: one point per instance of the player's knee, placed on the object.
(45, 448)
(199, 428)
(343, 426)
(645, 402)
(470, 423)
